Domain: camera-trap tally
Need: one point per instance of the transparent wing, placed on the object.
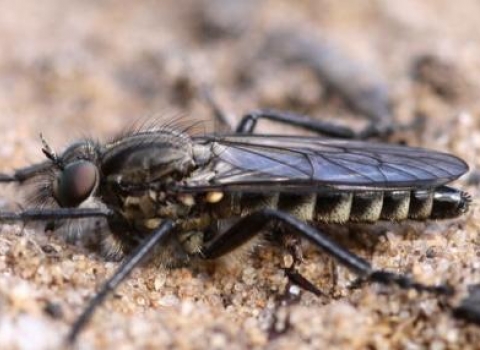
(286, 163)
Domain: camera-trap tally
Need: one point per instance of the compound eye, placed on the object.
(75, 184)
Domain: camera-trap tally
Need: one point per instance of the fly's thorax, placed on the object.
(148, 208)
(145, 157)
(141, 213)
(154, 166)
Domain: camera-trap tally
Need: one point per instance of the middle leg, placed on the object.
(253, 224)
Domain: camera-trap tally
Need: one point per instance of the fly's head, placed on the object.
(74, 175)
(70, 179)
(75, 183)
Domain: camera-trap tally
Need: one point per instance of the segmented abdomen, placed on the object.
(363, 206)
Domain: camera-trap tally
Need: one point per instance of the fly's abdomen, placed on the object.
(342, 207)
(449, 202)
(370, 206)
(361, 206)
(396, 205)
(439, 203)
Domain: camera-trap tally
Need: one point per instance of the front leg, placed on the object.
(143, 251)
(27, 173)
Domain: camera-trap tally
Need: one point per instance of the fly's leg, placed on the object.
(249, 122)
(42, 214)
(253, 224)
(291, 243)
(469, 307)
(55, 214)
(131, 261)
(298, 279)
(30, 172)
(26, 173)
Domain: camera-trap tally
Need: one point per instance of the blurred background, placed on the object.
(74, 68)
(94, 66)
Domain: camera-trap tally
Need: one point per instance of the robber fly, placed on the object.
(180, 199)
